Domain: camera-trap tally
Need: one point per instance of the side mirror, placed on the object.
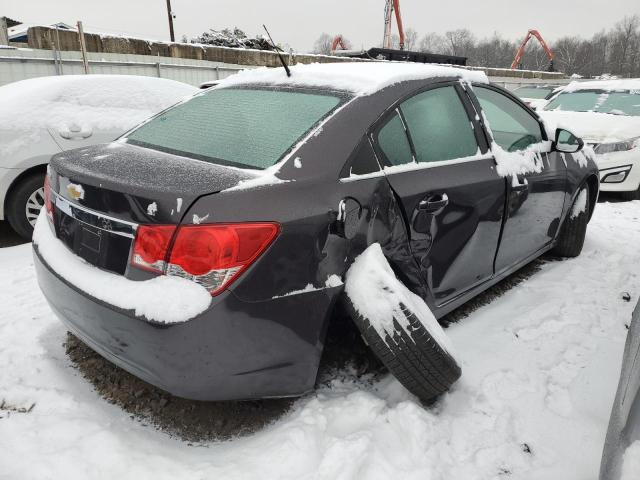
(567, 142)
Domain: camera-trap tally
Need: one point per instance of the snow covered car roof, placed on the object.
(607, 85)
(98, 101)
(593, 127)
(359, 78)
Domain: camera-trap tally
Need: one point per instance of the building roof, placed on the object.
(19, 31)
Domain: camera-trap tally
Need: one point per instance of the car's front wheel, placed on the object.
(24, 204)
(574, 230)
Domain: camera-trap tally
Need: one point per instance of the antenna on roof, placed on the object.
(284, 64)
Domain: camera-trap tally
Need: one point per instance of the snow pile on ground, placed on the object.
(541, 365)
(377, 294)
(163, 299)
(360, 78)
(84, 103)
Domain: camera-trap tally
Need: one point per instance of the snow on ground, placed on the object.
(540, 368)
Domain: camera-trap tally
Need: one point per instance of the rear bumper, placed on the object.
(235, 350)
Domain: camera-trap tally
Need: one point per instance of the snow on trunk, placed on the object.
(377, 295)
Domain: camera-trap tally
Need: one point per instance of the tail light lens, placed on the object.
(211, 255)
(48, 204)
(151, 245)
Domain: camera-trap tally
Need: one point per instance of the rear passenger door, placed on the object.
(438, 162)
(535, 199)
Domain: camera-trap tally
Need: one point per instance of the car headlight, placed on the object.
(623, 146)
(615, 175)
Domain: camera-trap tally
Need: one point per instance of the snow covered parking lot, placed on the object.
(540, 369)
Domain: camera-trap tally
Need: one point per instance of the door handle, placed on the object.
(434, 204)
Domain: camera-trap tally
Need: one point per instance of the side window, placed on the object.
(362, 161)
(439, 126)
(393, 141)
(512, 126)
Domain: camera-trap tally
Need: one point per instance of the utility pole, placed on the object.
(83, 48)
(4, 34)
(170, 13)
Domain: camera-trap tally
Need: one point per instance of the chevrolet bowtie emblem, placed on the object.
(76, 192)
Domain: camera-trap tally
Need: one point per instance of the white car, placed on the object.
(43, 116)
(606, 115)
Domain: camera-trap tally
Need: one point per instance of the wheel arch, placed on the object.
(593, 183)
(36, 169)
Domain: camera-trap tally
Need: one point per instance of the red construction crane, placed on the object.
(390, 7)
(520, 52)
(338, 41)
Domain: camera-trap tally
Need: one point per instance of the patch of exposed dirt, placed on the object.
(345, 356)
(190, 420)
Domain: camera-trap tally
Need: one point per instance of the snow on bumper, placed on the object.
(162, 299)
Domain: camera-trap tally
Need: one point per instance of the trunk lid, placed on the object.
(101, 194)
(137, 184)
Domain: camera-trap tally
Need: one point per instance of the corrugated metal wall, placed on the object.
(23, 63)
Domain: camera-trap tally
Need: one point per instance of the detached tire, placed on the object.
(574, 229)
(27, 193)
(419, 363)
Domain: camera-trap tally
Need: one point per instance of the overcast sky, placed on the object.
(299, 22)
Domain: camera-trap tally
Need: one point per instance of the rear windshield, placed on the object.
(533, 92)
(247, 128)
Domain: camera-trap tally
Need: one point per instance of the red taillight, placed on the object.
(150, 247)
(48, 204)
(211, 255)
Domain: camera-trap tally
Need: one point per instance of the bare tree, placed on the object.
(460, 42)
(323, 44)
(493, 52)
(410, 39)
(432, 43)
(615, 52)
(625, 42)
